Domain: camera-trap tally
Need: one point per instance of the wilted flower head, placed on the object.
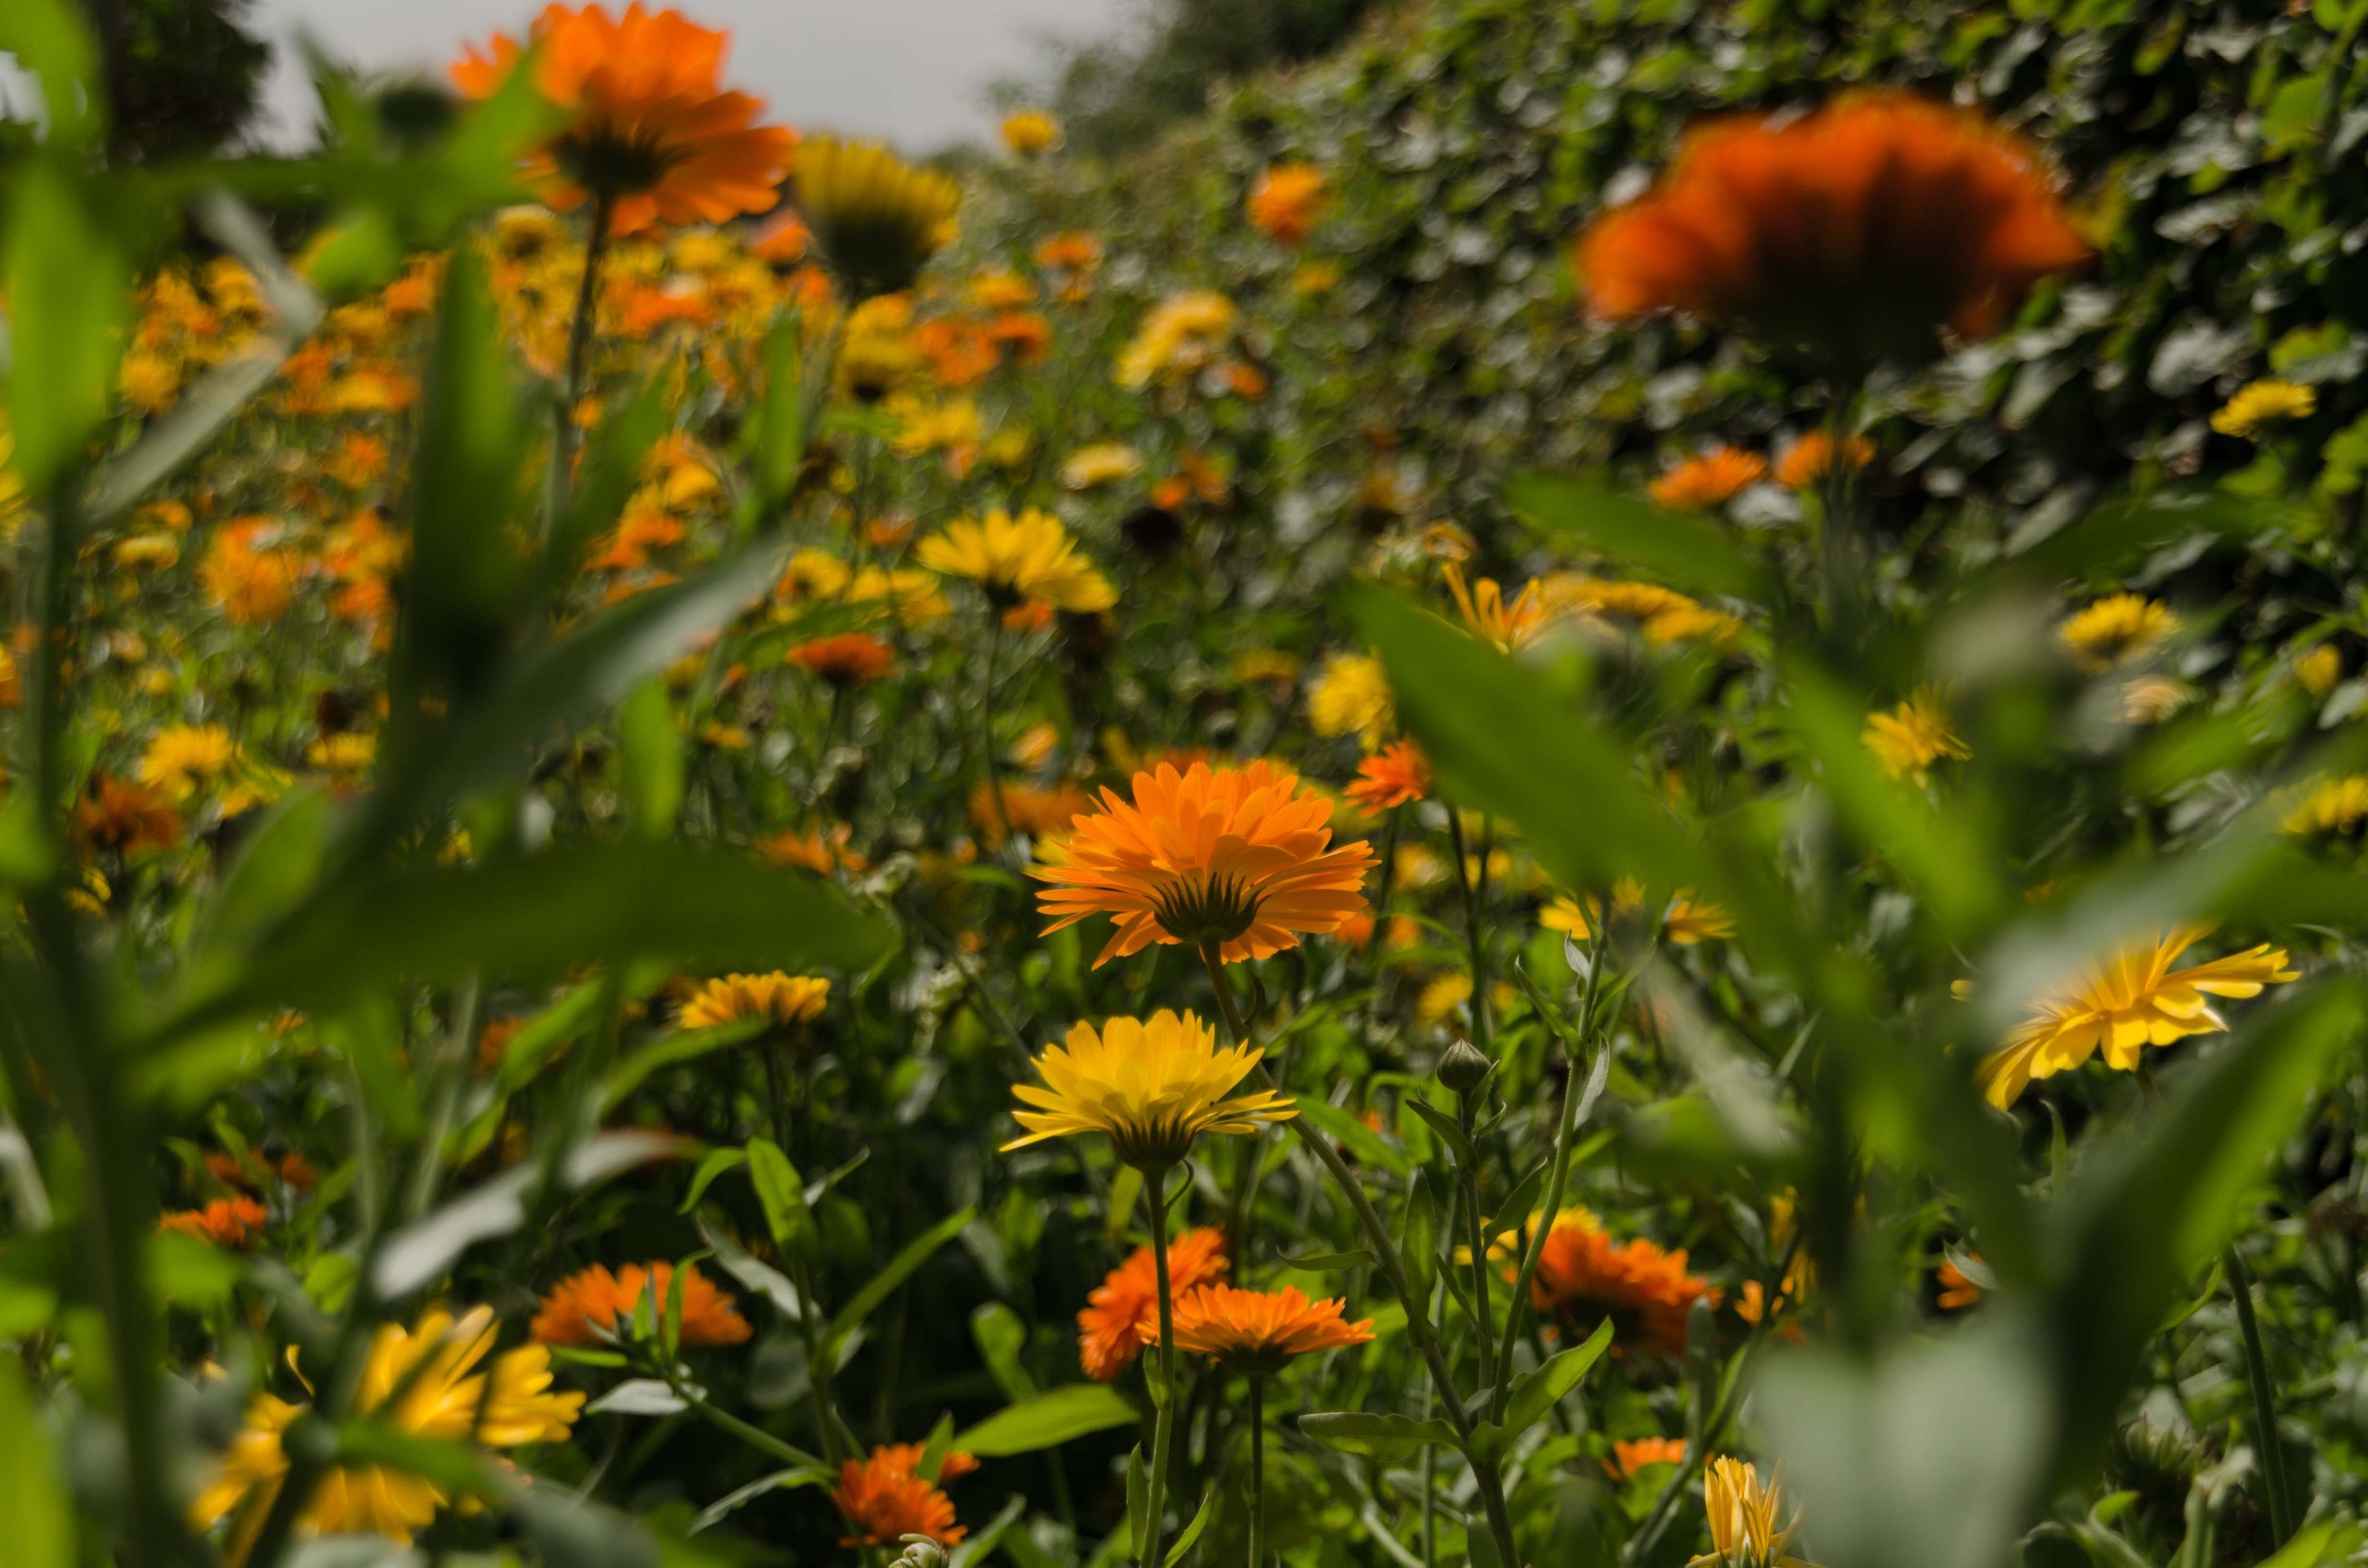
(650, 127)
(1862, 229)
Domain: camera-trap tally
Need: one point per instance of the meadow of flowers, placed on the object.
(730, 851)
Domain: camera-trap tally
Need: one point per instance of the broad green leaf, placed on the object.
(1682, 549)
(277, 867)
(2145, 1210)
(880, 1286)
(69, 291)
(1326, 1262)
(33, 1497)
(654, 767)
(732, 1501)
(421, 1252)
(1047, 1420)
(1362, 1142)
(1191, 1532)
(779, 425)
(50, 40)
(1539, 1392)
(761, 1278)
(672, 1050)
(715, 1164)
(1378, 1437)
(529, 918)
(1001, 1339)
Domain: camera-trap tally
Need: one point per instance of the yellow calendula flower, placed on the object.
(1351, 696)
(2331, 805)
(1745, 1514)
(1685, 921)
(1182, 333)
(2318, 668)
(1913, 736)
(2117, 629)
(185, 758)
(1029, 131)
(1103, 462)
(878, 218)
(1506, 625)
(424, 1384)
(785, 1001)
(2259, 405)
(1151, 1085)
(2132, 1000)
(1029, 557)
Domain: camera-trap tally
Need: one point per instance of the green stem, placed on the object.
(1154, 1189)
(2265, 1407)
(987, 728)
(1483, 1315)
(755, 1436)
(1474, 889)
(579, 344)
(1485, 1473)
(1257, 1467)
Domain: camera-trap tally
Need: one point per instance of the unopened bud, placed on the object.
(920, 1552)
(1462, 1068)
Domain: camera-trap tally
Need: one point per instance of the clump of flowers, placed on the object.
(1111, 1334)
(1179, 337)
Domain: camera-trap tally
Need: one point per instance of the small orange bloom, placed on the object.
(885, 1498)
(1256, 1331)
(1809, 461)
(1286, 200)
(1240, 857)
(652, 129)
(1585, 1277)
(586, 1308)
(1110, 1332)
(849, 659)
(1630, 1455)
(1711, 479)
(1864, 227)
(1394, 776)
(1038, 812)
(125, 818)
(1958, 1290)
(232, 1223)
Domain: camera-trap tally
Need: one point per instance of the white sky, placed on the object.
(915, 71)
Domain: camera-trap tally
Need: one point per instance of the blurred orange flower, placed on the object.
(849, 659)
(653, 132)
(231, 1223)
(1394, 776)
(586, 1308)
(1584, 1277)
(1713, 479)
(885, 1498)
(1286, 200)
(1810, 459)
(1862, 228)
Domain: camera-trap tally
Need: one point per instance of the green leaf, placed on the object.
(1449, 1131)
(606, 477)
(781, 431)
(69, 290)
(1683, 550)
(781, 1195)
(716, 1162)
(1047, 1420)
(529, 918)
(2142, 1212)
(655, 769)
(880, 1286)
(1378, 1437)
(1367, 1146)
(1539, 1392)
(1138, 1501)
(740, 1497)
(281, 860)
(33, 1497)
(1201, 1517)
(50, 40)
(422, 1252)
(1326, 1262)
(1002, 1338)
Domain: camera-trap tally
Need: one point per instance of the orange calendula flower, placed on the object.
(1584, 1277)
(1240, 857)
(1809, 461)
(1631, 1455)
(1039, 813)
(1286, 200)
(1256, 1331)
(651, 133)
(1506, 625)
(1109, 1328)
(232, 1223)
(1397, 775)
(885, 1497)
(1958, 1289)
(587, 1308)
(125, 819)
(1711, 479)
(849, 659)
(1863, 228)
(2133, 1000)
(786, 1001)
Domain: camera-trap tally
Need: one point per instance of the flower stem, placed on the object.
(2265, 1408)
(1257, 1467)
(1154, 1189)
(986, 730)
(1485, 1474)
(1483, 1315)
(1475, 886)
(579, 343)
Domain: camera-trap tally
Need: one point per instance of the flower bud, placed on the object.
(1462, 1068)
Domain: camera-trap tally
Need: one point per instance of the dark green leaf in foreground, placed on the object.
(1681, 549)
